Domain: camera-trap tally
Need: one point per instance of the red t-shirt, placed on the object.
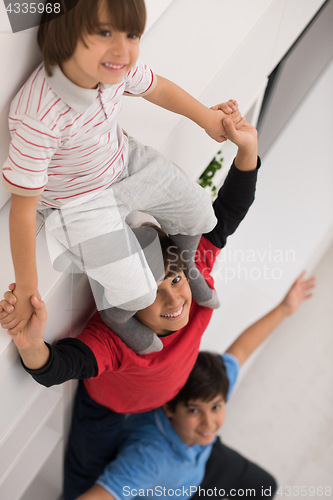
(131, 383)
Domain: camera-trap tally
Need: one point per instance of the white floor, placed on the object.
(281, 414)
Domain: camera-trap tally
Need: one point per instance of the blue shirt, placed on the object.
(153, 461)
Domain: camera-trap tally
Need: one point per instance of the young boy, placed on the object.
(68, 155)
(118, 381)
(175, 448)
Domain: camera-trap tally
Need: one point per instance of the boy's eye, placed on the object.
(193, 410)
(176, 280)
(133, 36)
(105, 33)
(217, 407)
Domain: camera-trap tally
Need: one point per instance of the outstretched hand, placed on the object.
(7, 305)
(246, 140)
(244, 137)
(17, 320)
(215, 128)
(301, 290)
(31, 335)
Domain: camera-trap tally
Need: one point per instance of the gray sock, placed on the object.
(134, 334)
(201, 291)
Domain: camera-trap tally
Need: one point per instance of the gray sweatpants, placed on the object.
(99, 241)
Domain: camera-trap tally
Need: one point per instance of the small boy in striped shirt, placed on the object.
(70, 161)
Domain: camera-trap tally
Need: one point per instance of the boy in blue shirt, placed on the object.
(174, 449)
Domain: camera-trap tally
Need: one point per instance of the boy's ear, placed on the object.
(169, 413)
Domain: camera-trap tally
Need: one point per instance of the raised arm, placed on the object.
(170, 96)
(22, 226)
(29, 341)
(48, 365)
(255, 335)
(237, 193)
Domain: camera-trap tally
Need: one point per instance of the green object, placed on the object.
(206, 178)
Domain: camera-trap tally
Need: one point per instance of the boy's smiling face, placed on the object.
(198, 421)
(171, 308)
(106, 56)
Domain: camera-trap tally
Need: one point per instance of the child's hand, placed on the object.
(245, 137)
(16, 318)
(301, 290)
(31, 335)
(229, 109)
(6, 305)
(246, 140)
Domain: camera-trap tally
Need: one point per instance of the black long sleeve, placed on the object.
(72, 359)
(69, 359)
(232, 203)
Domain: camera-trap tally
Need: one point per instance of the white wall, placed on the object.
(19, 55)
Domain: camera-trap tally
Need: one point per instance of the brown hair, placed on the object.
(172, 257)
(207, 380)
(59, 33)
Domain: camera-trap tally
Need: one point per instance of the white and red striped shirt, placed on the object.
(66, 143)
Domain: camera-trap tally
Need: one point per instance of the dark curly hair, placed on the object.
(207, 380)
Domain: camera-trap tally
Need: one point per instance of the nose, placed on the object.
(172, 297)
(118, 44)
(207, 420)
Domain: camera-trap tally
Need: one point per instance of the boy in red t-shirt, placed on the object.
(117, 380)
